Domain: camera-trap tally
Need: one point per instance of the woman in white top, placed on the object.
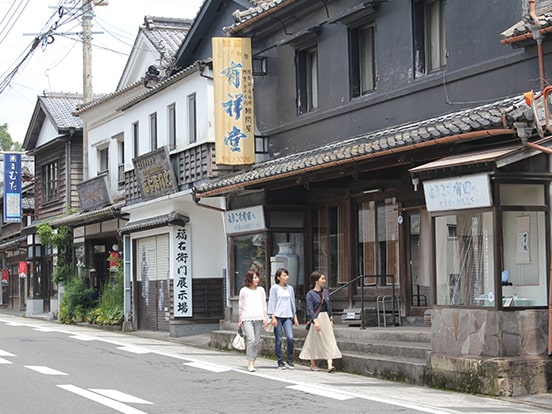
(252, 315)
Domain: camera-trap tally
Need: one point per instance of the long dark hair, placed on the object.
(314, 278)
(279, 273)
(248, 278)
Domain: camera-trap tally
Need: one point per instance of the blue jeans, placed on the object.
(287, 325)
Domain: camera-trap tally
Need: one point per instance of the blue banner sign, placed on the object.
(12, 188)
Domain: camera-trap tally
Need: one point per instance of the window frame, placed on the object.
(192, 118)
(136, 138)
(50, 181)
(171, 125)
(362, 60)
(307, 75)
(153, 131)
(429, 34)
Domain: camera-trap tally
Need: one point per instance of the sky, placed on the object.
(56, 66)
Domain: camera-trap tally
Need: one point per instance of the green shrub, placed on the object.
(77, 300)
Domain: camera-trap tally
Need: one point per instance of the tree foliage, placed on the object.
(6, 142)
(62, 239)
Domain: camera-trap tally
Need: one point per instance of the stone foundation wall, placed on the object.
(490, 352)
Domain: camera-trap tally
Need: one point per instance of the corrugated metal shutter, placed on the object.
(152, 282)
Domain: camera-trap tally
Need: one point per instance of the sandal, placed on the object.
(315, 369)
(331, 370)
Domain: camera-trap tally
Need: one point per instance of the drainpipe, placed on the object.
(537, 35)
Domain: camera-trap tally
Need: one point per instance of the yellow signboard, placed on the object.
(233, 88)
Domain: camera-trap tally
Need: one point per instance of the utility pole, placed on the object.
(87, 16)
(87, 51)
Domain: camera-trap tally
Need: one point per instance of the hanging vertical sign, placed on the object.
(233, 89)
(182, 283)
(12, 188)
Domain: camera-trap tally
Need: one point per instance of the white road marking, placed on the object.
(4, 361)
(208, 367)
(120, 396)
(100, 399)
(134, 350)
(83, 337)
(321, 392)
(5, 353)
(43, 329)
(45, 370)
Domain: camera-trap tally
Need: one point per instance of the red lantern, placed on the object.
(5, 276)
(22, 270)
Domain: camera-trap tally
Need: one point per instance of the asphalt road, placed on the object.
(51, 368)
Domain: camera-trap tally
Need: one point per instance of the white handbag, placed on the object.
(238, 342)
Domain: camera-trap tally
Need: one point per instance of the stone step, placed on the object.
(416, 350)
(384, 353)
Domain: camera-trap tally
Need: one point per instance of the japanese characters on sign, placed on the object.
(93, 193)
(244, 220)
(458, 193)
(233, 87)
(182, 284)
(155, 174)
(12, 188)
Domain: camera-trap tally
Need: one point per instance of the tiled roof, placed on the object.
(164, 84)
(525, 26)
(373, 144)
(166, 34)
(260, 7)
(60, 108)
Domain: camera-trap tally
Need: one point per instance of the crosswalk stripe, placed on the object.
(207, 366)
(4, 361)
(5, 353)
(321, 392)
(100, 399)
(45, 370)
(134, 349)
(120, 396)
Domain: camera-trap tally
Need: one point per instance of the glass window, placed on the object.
(171, 110)
(121, 159)
(429, 36)
(362, 60)
(378, 239)
(287, 252)
(330, 242)
(307, 80)
(524, 271)
(103, 160)
(464, 259)
(136, 138)
(50, 181)
(192, 119)
(153, 131)
(248, 253)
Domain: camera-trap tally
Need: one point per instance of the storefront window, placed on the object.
(378, 239)
(249, 253)
(330, 244)
(524, 271)
(287, 252)
(464, 259)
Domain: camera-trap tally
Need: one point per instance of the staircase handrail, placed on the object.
(382, 277)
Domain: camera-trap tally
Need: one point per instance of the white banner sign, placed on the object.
(182, 284)
(244, 220)
(458, 193)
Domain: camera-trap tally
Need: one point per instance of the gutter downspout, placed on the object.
(537, 35)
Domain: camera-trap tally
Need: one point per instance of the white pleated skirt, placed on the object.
(320, 344)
